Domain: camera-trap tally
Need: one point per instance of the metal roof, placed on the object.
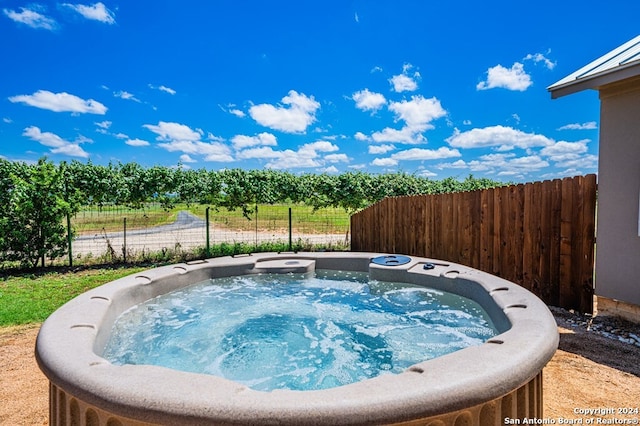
(619, 64)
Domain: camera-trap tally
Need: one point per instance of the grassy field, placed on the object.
(269, 217)
(32, 298)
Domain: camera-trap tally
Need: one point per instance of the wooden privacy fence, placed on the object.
(539, 235)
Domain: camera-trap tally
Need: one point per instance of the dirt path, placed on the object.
(588, 372)
(24, 390)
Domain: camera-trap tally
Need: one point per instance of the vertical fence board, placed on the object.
(474, 212)
(566, 215)
(486, 230)
(518, 232)
(576, 240)
(497, 236)
(544, 259)
(588, 244)
(529, 248)
(507, 265)
(556, 220)
(540, 235)
(533, 230)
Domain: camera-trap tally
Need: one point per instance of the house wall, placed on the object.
(618, 224)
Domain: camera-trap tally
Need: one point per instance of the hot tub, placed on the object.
(479, 385)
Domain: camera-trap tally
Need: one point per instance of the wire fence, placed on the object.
(124, 233)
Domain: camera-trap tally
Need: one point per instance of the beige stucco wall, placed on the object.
(618, 243)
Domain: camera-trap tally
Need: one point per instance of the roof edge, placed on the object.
(584, 77)
(596, 81)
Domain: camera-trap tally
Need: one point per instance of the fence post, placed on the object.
(256, 226)
(290, 239)
(69, 240)
(207, 247)
(124, 241)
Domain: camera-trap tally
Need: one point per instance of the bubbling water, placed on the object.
(296, 331)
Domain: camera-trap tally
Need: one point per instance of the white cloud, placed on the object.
(405, 135)
(589, 162)
(528, 163)
(237, 112)
(418, 112)
(168, 131)
(459, 164)
(212, 151)
(56, 143)
(337, 158)
(427, 174)
(514, 78)
(361, 136)
(261, 152)
(121, 136)
(330, 169)
(590, 125)
(7, 120)
(184, 158)
(384, 162)
(126, 96)
(426, 154)
(95, 12)
(167, 90)
(242, 141)
(60, 102)
(500, 164)
(403, 83)
(562, 149)
(137, 142)
(103, 127)
(571, 155)
(505, 138)
(380, 149)
(539, 57)
(416, 154)
(368, 101)
(31, 18)
(176, 137)
(289, 159)
(307, 155)
(295, 118)
(322, 146)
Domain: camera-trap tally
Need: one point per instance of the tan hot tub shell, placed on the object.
(481, 385)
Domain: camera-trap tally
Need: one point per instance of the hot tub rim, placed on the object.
(370, 400)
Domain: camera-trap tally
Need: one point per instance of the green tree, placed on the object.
(39, 200)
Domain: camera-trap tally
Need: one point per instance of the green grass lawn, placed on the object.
(31, 299)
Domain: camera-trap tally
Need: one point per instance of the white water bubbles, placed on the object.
(295, 331)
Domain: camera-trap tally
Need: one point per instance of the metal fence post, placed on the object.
(124, 242)
(69, 240)
(208, 247)
(290, 236)
(256, 226)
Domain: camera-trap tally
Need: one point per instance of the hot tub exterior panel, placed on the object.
(526, 401)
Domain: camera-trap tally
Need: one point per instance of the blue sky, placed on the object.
(447, 88)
